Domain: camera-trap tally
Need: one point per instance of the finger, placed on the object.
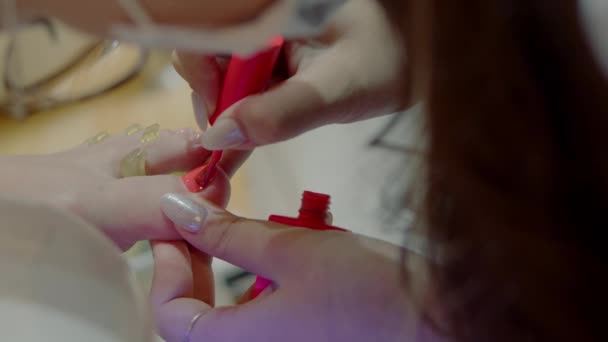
(253, 321)
(174, 318)
(129, 209)
(326, 89)
(204, 75)
(176, 152)
(180, 271)
(172, 272)
(201, 111)
(232, 160)
(173, 289)
(256, 246)
(203, 276)
(170, 152)
(273, 116)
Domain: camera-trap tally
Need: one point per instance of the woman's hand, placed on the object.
(350, 73)
(330, 286)
(87, 180)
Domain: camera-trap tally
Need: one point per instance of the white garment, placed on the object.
(290, 18)
(297, 19)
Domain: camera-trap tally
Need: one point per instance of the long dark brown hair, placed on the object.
(517, 166)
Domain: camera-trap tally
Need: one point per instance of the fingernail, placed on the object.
(133, 164)
(184, 212)
(150, 133)
(134, 128)
(194, 142)
(224, 134)
(200, 111)
(97, 138)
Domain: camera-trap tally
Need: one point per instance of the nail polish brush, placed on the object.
(245, 76)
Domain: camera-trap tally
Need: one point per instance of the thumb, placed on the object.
(204, 75)
(329, 86)
(256, 246)
(281, 113)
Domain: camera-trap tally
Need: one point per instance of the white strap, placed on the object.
(292, 18)
(243, 38)
(136, 12)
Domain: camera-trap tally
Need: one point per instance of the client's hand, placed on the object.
(331, 286)
(103, 180)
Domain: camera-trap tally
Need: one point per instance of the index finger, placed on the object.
(264, 248)
(203, 74)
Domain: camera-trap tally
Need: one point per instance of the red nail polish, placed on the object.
(313, 213)
(206, 176)
(198, 179)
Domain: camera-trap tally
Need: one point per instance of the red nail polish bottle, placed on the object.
(313, 214)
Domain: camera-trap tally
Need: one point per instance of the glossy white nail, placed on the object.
(224, 134)
(184, 212)
(200, 111)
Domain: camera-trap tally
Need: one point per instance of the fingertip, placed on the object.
(189, 211)
(218, 191)
(201, 112)
(177, 65)
(174, 152)
(172, 276)
(225, 134)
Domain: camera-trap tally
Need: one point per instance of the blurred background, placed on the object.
(59, 87)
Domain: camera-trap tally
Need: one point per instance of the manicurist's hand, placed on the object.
(350, 73)
(330, 286)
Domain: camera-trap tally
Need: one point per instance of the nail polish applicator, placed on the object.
(245, 76)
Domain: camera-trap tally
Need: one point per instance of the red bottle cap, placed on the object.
(314, 212)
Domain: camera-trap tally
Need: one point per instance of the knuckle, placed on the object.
(263, 127)
(220, 236)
